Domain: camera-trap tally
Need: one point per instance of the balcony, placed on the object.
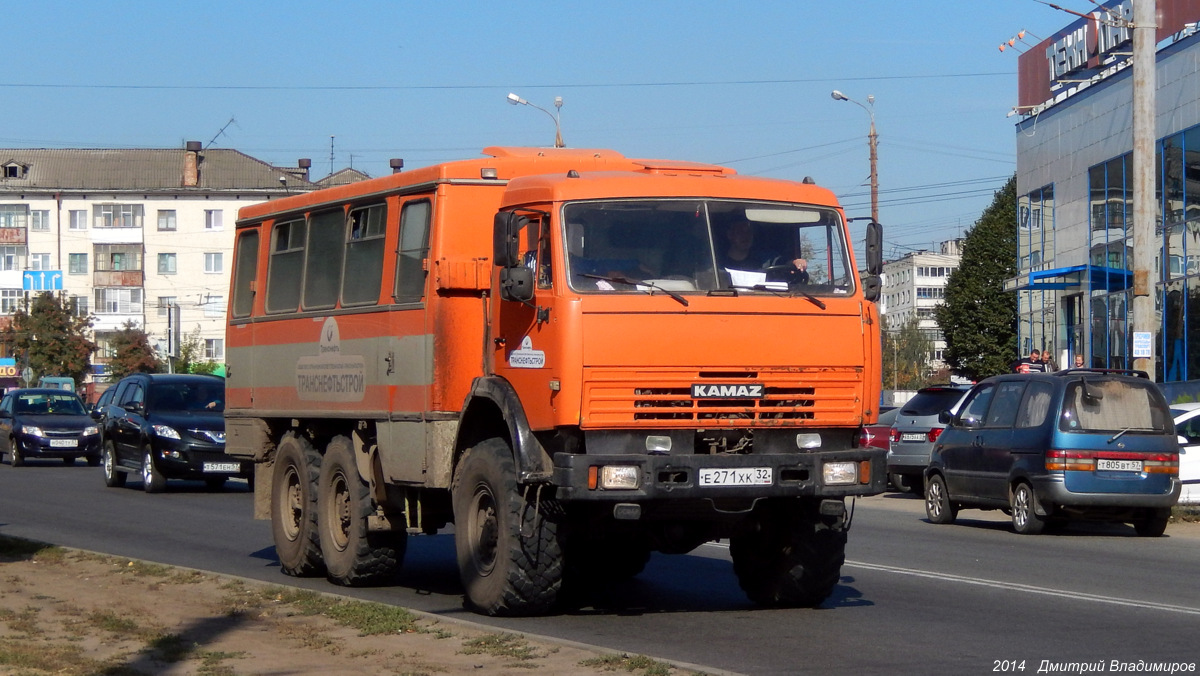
(117, 278)
(12, 236)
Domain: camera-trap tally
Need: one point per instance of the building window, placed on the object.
(78, 220)
(126, 257)
(12, 258)
(213, 262)
(164, 305)
(39, 261)
(214, 219)
(10, 299)
(77, 264)
(79, 306)
(214, 348)
(125, 301)
(214, 306)
(13, 215)
(118, 215)
(39, 220)
(166, 219)
(166, 263)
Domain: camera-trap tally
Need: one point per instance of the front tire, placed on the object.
(1023, 505)
(938, 507)
(353, 555)
(14, 457)
(792, 557)
(112, 477)
(294, 507)
(507, 539)
(153, 480)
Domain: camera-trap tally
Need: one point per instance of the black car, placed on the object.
(168, 426)
(47, 423)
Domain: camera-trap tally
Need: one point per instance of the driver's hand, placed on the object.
(800, 264)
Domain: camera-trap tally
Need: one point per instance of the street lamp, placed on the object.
(873, 143)
(517, 100)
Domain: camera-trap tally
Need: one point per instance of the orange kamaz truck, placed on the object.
(575, 358)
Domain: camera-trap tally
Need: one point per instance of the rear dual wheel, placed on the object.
(354, 556)
(294, 507)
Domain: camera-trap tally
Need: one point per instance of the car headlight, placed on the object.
(33, 431)
(840, 473)
(90, 431)
(165, 431)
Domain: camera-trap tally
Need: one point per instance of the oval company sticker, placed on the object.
(331, 375)
(526, 357)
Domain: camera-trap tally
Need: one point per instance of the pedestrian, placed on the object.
(1048, 361)
(1079, 361)
(1031, 364)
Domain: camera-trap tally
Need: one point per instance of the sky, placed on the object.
(743, 84)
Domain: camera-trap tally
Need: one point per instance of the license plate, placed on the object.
(222, 467)
(1118, 465)
(64, 443)
(912, 436)
(740, 476)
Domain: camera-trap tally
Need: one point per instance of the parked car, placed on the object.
(914, 432)
(168, 426)
(1047, 448)
(47, 423)
(1187, 426)
(879, 435)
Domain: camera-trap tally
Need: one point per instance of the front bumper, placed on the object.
(676, 477)
(39, 447)
(183, 459)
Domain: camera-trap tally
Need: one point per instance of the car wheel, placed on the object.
(354, 555)
(112, 477)
(1023, 504)
(1153, 526)
(790, 558)
(152, 480)
(938, 507)
(14, 457)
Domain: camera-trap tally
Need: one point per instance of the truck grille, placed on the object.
(829, 396)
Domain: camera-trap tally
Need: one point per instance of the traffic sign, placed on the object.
(42, 280)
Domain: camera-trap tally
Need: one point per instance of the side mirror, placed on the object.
(945, 417)
(135, 407)
(506, 226)
(872, 287)
(516, 283)
(874, 249)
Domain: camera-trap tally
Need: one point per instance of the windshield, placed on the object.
(705, 245)
(49, 404)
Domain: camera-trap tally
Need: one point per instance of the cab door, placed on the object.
(125, 426)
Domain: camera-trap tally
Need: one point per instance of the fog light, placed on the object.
(174, 455)
(658, 444)
(840, 473)
(619, 477)
(808, 441)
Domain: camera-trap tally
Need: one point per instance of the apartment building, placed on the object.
(129, 235)
(913, 286)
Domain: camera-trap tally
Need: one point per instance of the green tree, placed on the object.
(191, 355)
(906, 353)
(132, 352)
(979, 319)
(45, 335)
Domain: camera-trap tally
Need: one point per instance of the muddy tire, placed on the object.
(508, 542)
(294, 507)
(792, 558)
(113, 478)
(354, 556)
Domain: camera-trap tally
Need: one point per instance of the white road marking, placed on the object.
(1014, 586)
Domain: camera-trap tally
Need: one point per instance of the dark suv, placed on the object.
(1045, 448)
(168, 426)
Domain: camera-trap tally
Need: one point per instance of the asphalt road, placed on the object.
(914, 598)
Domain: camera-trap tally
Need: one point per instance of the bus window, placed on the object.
(364, 255)
(245, 271)
(323, 259)
(414, 248)
(285, 267)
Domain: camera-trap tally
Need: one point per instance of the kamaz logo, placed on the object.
(727, 391)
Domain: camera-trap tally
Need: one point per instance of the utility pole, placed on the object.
(1144, 85)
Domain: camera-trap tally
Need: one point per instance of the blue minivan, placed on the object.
(1051, 447)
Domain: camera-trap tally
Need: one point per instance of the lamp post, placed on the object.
(518, 101)
(873, 143)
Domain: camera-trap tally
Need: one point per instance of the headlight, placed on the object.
(619, 477)
(33, 431)
(840, 473)
(165, 431)
(91, 430)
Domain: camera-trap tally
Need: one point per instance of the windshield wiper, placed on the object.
(1118, 435)
(779, 292)
(621, 279)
